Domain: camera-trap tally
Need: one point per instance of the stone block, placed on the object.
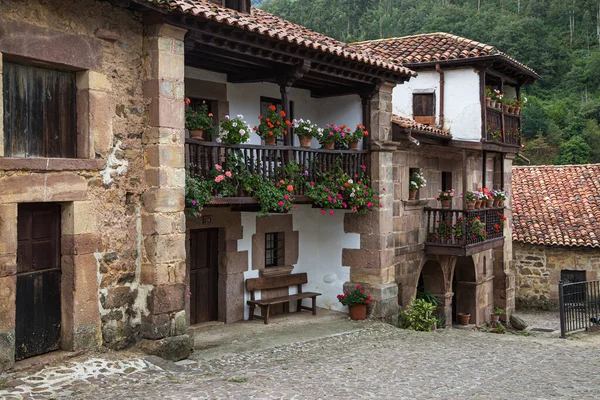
(231, 294)
(233, 262)
(22, 188)
(166, 113)
(165, 248)
(85, 297)
(118, 297)
(165, 156)
(163, 224)
(67, 186)
(164, 199)
(155, 326)
(7, 350)
(167, 298)
(79, 217)
(93, 80)
(163, 135)
(8, 294)
(163, 274)
(8, 264)
(85, 243)
(164, 30)
(374, 276)
(101, 113)
(172, 348)
(8, 229)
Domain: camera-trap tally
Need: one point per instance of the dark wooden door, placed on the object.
(204, 275)
(38, 280)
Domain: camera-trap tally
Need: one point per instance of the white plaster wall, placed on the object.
(462, 107)
(321, 240)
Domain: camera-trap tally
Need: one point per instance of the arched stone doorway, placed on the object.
(464, 286)
(433, 280)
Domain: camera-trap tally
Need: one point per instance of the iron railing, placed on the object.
(447, 226)
(268, 161)
(503, 127)
(579, 304)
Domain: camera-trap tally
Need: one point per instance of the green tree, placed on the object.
(575, 151)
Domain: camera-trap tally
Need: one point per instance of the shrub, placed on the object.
(419, 315)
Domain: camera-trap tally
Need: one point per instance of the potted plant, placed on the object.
(489, 95)
(475, 229)
(478, 200)
(496, 314)
(305, 130)
(354, 137)
(471, 197)
(234, 131)
(331, 135)
(497, 98)
(445, 197)
(498, 329)
(505, 105)
(417, 181)
(198, 122)
(272, 126)
(488, 200)
(356, 301)
(499, 198)
(464, 318)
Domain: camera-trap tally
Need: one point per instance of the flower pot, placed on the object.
(500, 203)
(305, 141)
(478, 204)
(446, 203)
(197, 134)
(495, 318)
(517, 110)
(353, 145)
(412, 194)
(505, 108)
(464, 318)
(358, 312)
(488, 101)
(470, 204)
(511, 110)
(329, 146)
(271, 141)
(490, 203)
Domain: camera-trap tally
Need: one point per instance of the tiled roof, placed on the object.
(263, 23)
(557, 205)
(432, 47)
(422, 128)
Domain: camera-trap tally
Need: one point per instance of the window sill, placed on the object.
(51, 164)
(415, 204)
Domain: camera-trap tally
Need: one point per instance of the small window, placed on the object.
(424, 108)
(39, 112)
(265, 102)
(274, 249)
(446, 180)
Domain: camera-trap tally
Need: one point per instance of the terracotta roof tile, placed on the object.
(557, 205)
(422, 128)
(432, 47)
(266, 24)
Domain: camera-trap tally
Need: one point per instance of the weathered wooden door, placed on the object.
(38, 280)
(204, 275)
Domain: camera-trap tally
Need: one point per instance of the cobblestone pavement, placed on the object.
(378, 362)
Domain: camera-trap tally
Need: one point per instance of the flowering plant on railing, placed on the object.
(234, 130)
(337, 190)
(475, 228)
(198, 193)
(445, 195)
(417, 181)
(359, 133)
(198, 120)
(273, 125)
(494, 133)
(471, 195)
(498, 194)
(306, 128)
(333, 134)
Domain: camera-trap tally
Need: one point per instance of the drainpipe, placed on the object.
(439, 70)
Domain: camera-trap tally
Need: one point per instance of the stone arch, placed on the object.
(432, 277)
(464, 286)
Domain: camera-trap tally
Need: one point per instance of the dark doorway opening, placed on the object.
(204, 275)
(465, 289)
(38, 308)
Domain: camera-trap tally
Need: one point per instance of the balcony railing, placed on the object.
(268, 161)
(503, 127)
(458, 232)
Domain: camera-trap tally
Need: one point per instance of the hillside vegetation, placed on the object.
(560, 39)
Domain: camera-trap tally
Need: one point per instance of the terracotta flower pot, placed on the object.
(517, 110)
(490, 203)
(305, 141)
(488, 101)
(470, 204)
(446, 203)
(499, 203)
(495, 318)
(197, 134)
(464, 318)
(358, 313)
(353, 145)
(271, 141)
(478, 204)
(412, 194)
(511, 110)
(329, 146)
(505, 108)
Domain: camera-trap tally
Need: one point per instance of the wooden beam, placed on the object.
(482, 76)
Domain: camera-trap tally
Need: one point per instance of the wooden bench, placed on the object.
(277, 282)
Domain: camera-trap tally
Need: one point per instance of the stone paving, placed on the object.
(377, 361)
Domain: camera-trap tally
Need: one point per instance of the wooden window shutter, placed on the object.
(39, 112)
(424, 108)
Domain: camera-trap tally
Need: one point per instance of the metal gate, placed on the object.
(579, 306)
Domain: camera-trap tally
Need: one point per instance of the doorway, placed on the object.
(204, 275)
(38, 307)
(464, 286)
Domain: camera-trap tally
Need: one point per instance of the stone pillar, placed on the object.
(8, 283)
(373, 265)
(163, 221)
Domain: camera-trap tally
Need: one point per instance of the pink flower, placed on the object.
(329, 198)
(331, 212)
(286, 197)
(339, 196)
(369, 205)
(363, 167)
(193, 202)
(312, 184)
(281, 203)
(219, 178)
(322, 212)
(228, 174)
(218, 167)
(294, 207)
(330, 133)
(383, 189)
(327, 189)
(277, 184)
(380, 205)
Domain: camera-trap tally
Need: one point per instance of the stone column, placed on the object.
(163, 221)
(8, 283)
(373, 265)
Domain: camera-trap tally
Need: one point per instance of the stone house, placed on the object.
(555, 230)
(96, 248)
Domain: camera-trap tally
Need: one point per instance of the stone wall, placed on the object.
(538, 270)
(101, 190)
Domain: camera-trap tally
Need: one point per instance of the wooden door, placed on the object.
(38, 280)
(204, 276)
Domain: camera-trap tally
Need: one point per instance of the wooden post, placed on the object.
(502, 112)
(482, 75)
(501, 171)
(464, 181)
(366, 117)
(483, 179)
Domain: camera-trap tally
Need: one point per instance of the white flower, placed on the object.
(308, 121)
(226, 117)
(240, 116)
(218, 140)
(242, 132)
(225, 133)
(234, 124)
(350, 181)
(352, 194)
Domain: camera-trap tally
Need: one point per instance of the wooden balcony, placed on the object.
(503, 127)
(268, 161)
(445, 227)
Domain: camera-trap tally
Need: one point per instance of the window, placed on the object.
(265, 102)
(39, 112)
(424, 108)
(446, 180)
(274, 249)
